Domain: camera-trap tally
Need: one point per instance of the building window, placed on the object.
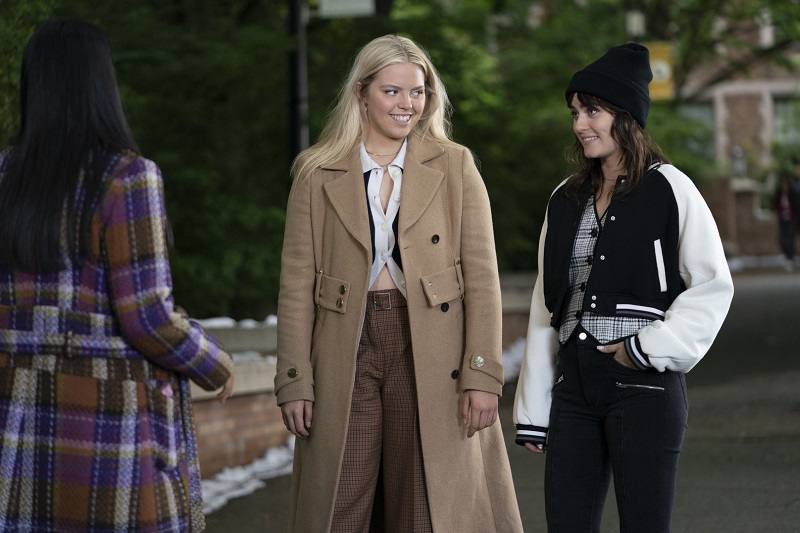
(787, 122)
(701, 141)
(786, 135)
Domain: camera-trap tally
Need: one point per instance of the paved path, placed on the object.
(740, 467)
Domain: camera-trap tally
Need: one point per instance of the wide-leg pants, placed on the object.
(606, 418)
(383, 432)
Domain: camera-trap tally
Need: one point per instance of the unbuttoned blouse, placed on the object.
(384, 223)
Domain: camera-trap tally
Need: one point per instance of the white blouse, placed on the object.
(383, 238)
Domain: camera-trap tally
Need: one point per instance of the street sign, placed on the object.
(662, 86)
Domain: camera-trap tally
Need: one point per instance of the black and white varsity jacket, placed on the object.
(659, 256)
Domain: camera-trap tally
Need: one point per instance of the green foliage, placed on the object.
(206, 87)
(18, 20)
(207, 94)
(717, 37)
(685, 142)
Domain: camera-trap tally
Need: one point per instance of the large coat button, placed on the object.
(478, 361)
(435, 239)
(339, 303)
(445, 307)
(292, 373)
(454, 374)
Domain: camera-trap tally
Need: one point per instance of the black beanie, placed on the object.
(620, 78)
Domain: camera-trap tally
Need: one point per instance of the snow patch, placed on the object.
(240, 481)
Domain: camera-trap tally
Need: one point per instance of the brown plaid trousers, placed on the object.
(383, 432)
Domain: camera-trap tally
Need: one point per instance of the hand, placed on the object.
(538, 449)
(620, 353)
(226, 391)
(297, 417)
(478, 410)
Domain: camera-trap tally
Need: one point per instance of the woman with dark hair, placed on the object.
(95, 358)
(633, 287)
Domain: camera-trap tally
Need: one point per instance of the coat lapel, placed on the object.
(347, 195)
(420, 182)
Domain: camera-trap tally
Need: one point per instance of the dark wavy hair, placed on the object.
(72, 127)
(639, 151)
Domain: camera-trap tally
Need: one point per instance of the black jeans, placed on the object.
(609, 418)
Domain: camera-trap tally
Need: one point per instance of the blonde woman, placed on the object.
(389, 317)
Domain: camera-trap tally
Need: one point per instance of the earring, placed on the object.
(365, 105)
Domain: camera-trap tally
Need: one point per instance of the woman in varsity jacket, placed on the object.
(633, 288)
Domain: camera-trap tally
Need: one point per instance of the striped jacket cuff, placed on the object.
(530, 435)
(636, 354)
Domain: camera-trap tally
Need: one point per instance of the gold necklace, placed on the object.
(382, 155)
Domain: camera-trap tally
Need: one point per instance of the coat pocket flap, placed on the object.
(442, 286)
(333, 293)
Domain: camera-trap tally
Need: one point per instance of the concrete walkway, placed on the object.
(740, 466)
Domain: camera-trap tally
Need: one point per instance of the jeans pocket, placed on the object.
(616, 366)
(639, 386)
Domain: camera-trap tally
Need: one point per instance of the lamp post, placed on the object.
(298, 59)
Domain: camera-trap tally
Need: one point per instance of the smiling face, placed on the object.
(592, 126)
(395, 100)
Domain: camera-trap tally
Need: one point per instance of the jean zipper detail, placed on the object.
(637, 386)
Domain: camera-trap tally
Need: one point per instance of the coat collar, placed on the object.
(419, 149)
(420, 183)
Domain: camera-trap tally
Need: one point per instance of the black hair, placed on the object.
(72, 128)
(639, 151)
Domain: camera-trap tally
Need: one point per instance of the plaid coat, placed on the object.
(95, 362)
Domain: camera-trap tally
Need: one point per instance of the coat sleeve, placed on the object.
(482, 367)
(537, 374)
(695, 317)
(296, 311)
(141, 282)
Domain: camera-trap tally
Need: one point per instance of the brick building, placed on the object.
(755, 118)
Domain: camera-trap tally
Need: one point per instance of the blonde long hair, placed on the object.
(347, 124)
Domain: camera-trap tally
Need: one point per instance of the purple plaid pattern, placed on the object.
(95, 363)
